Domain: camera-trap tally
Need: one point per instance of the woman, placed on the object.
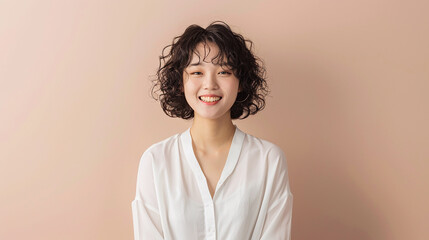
(212, 181)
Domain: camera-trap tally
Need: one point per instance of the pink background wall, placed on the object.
(349, 106)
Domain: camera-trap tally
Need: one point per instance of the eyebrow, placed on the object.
(199, 63)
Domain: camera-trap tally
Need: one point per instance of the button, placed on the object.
(211, 228)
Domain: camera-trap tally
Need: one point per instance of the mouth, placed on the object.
(211, 99)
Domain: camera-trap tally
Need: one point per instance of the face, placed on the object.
(210, 89)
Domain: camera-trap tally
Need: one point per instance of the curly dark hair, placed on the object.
(248, 68)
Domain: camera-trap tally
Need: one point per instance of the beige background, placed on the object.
(349, 106)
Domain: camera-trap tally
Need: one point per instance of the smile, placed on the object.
(210, 100)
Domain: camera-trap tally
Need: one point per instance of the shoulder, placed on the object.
(160, 149)
(163, 144)
(271, 160)
(268, 153)
(264, 145)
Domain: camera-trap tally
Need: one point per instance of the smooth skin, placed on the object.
(212, 129)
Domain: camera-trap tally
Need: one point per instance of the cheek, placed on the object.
(190, 89)
(233, 86)
(189, 85)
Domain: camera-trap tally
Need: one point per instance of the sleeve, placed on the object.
(146, 217)
(278, 220)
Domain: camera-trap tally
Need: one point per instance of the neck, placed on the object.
(212, 134)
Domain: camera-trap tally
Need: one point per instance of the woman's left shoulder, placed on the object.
(269, 148)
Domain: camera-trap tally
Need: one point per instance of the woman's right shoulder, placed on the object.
(161, 148)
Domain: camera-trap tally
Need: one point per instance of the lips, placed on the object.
(209, 98)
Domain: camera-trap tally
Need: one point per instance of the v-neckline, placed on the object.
(231, 162)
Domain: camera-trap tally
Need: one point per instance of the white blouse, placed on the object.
(252, 199)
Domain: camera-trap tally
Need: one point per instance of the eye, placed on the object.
(196, 73)
(224, 73)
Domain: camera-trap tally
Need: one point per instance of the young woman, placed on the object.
(212, 181)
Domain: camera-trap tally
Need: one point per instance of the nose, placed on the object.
(210, 81)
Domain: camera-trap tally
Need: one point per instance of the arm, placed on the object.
(146, 217)
(279, 215)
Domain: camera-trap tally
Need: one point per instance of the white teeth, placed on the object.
(210, 99)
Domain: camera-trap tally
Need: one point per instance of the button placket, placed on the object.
(210, 220)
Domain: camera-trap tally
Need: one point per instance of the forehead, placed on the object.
(206, 52)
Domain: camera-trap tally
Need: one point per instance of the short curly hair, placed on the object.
(248, 68)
